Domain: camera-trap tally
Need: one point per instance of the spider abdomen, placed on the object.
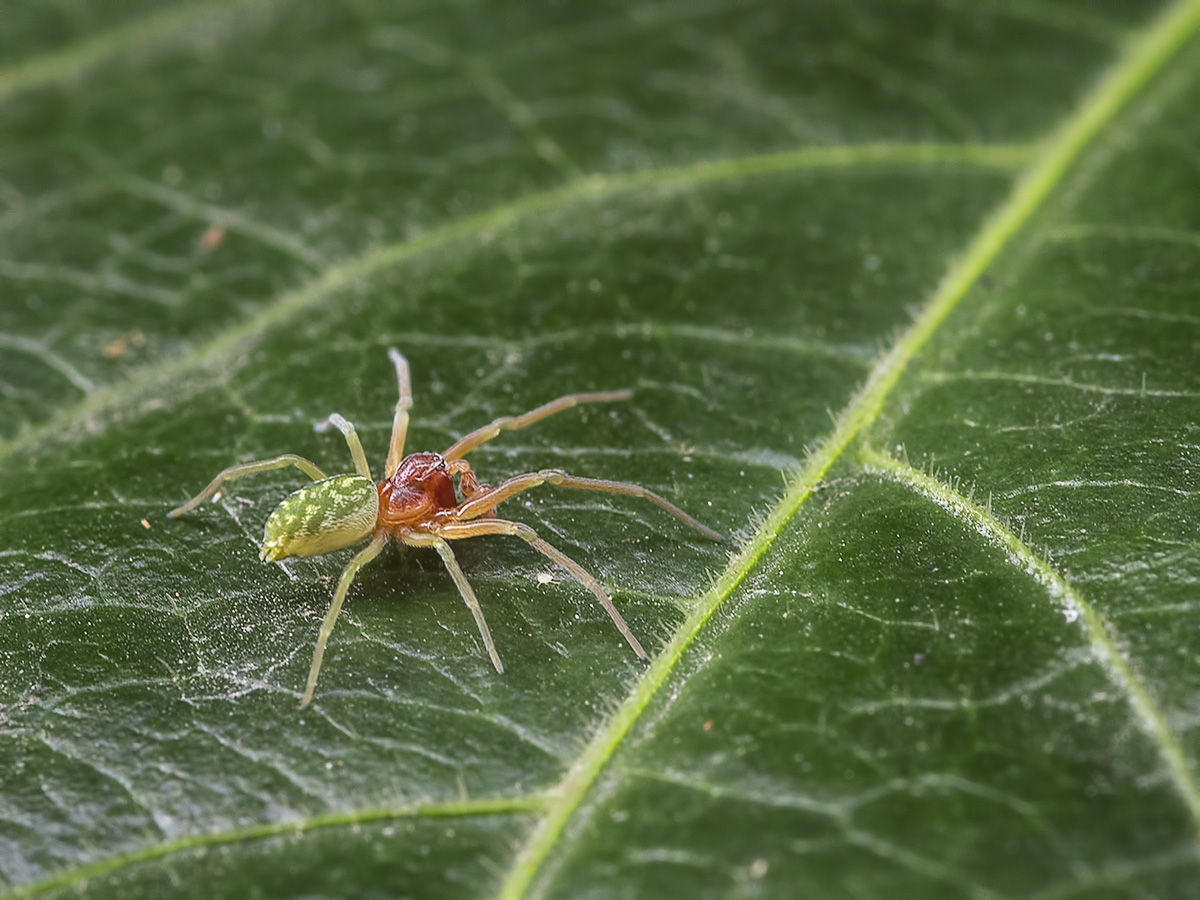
(323, 516)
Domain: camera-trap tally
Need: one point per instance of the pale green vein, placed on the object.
(1117, 875)
(489, 86)
(746, 338)
(217, 355)
(1046, 15)
(1045, 381)
(1129, 233)
(495, 806)
(40, 351)
(923, 93)
(1099, 632)
(176, 22)
(1142, 60)
(499, 95)
(237, 222)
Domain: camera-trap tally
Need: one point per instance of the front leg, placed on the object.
(356, 449)
(265, 465)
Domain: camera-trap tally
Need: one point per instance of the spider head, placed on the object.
(326, 515)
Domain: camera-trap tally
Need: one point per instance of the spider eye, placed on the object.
(326, 515)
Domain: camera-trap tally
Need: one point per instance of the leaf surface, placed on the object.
(950, 654)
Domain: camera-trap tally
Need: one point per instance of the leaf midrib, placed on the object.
(1143, 59)
(215, 357)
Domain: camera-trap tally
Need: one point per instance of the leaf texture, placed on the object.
(933, 262)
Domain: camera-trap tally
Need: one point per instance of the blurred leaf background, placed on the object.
(907, 292)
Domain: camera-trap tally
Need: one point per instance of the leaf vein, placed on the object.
(239, 223)
(1100, 633)
(495, 806)
(1045, 381)
(173, 23)
(1142, 60)
(216, 355)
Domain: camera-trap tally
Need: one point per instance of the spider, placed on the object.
(419, 504)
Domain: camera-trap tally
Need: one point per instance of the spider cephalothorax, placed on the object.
(421, 487)
(420, 504)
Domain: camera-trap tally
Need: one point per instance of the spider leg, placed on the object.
(469, 442)
(484, 502)
(420, 539)
(459, 530)
(363, 557)
(400, 420)
(351, 436)
(279, 462)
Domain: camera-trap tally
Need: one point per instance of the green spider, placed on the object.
(418, 503)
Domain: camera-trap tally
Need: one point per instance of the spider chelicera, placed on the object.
(419, 504)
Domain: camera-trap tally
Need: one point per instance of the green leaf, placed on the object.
(935, 262)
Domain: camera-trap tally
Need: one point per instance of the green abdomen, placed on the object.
(326, 515)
